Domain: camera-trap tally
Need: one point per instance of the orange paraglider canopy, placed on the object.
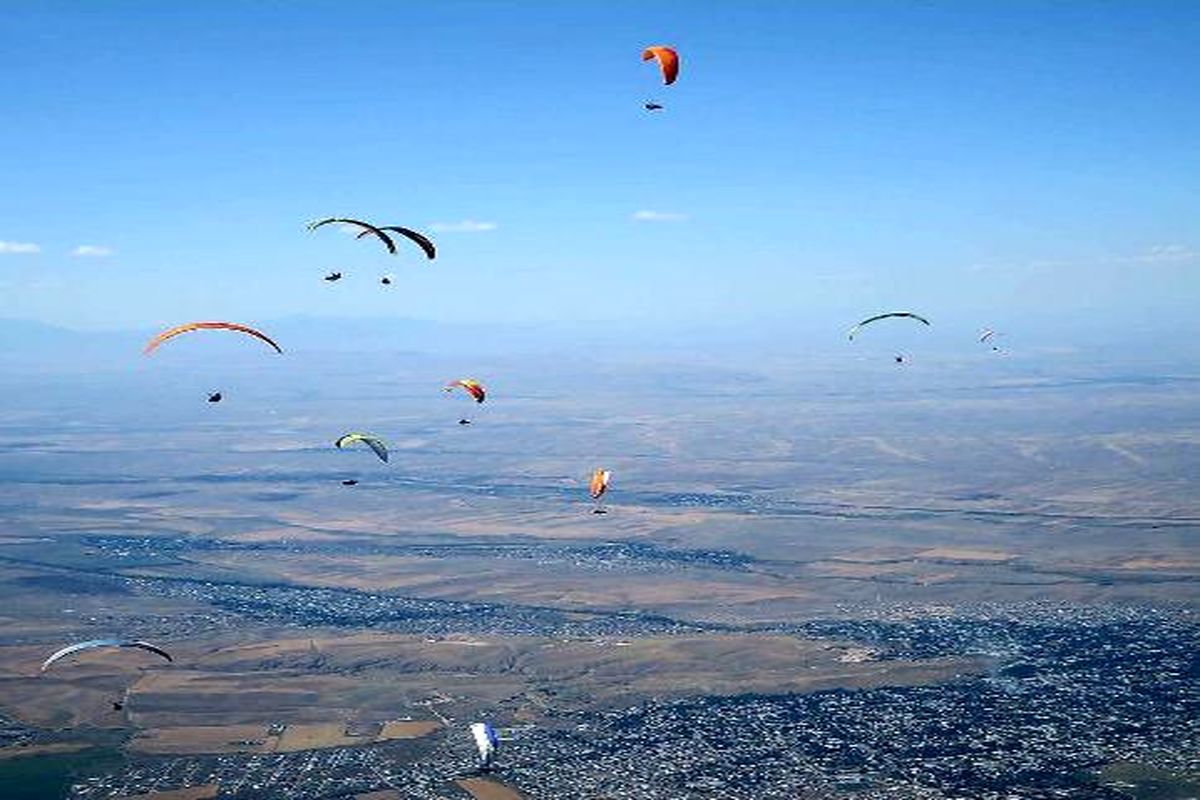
(471, 386)
(599, 483)
(668, 59)
(171, 333)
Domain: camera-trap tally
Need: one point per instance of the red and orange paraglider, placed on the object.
(668, 61)
(597, 487)
(171, 333)
(470, 386)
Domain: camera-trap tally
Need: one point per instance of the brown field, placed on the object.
(302, 736)
(203, 739)
(484, 789)
(391, 684)
(962, 554)
(406, 730)
(525, 582)
(20, 750)
(314, 736)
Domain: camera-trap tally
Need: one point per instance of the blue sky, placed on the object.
(814, 160)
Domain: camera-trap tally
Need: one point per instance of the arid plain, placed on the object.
(744, 504)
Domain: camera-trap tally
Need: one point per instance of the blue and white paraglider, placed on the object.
(486, 740)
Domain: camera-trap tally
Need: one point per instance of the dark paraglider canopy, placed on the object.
(368, 229)
(877, 317)
(333, 276)
(214, 397)
(420, 239)
(350, 482)
(650, 105)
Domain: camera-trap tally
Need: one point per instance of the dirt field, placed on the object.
(18, 751)
(312, 737)
(204, 739)
(406, 730)
(483, 789)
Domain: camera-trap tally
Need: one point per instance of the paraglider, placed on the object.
(333, 276)
(420, 239)
(95, 643)
(350, 482)
(597, 487)
(171, 333)
(877, 317)
(373, 442)
(650, 105)
(989, 336)
(386, 280)
(471, 387)
(486, 741)
(668, 61)
(214, 397)
(369, 229)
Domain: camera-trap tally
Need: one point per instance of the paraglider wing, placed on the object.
(94, 643)
(373, 442)
(472, 387)
(171, 333)
(599, 483)
(877, 317)
(668, 60)
(420, 239)
(367, 227)
(486, 740)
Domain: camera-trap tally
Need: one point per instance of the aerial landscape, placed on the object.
(520, 401)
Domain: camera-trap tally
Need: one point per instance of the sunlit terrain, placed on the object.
(965, 525)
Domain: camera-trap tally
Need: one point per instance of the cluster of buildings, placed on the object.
(1070, 691)
(1068, 694)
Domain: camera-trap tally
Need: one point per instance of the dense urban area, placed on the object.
(1072, 690)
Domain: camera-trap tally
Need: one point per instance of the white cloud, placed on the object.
(465, 226)
(92, 251)
(1167, 254)
(1155, 255)
(13, 248)
(658, 216)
